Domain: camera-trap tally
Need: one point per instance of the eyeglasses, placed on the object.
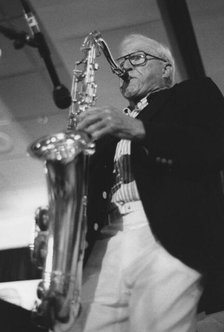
(138, 58)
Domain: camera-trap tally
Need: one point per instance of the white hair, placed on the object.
(159, 50)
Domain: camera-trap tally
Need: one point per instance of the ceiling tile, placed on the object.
(22, 171)
(13, 141)
(27, 95)
(78, 18)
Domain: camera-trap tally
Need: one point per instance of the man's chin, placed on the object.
(128, 94)
(128, 90)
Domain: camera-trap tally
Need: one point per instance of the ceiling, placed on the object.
(27, 109)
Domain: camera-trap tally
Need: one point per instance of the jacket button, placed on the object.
(95, 226)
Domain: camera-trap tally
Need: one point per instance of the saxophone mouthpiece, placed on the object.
(125, 76)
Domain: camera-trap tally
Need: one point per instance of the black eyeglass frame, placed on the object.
(127, 57)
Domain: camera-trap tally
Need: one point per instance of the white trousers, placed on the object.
(132, 284)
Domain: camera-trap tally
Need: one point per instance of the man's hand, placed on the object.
(101, 121)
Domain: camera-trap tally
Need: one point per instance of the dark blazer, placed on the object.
(177, 170)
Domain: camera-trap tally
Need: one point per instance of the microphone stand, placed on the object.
(61, 95)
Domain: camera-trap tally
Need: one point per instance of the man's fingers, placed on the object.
(96, 126)
(87, 120)
(99, 133)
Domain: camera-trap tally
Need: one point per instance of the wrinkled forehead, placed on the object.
(137, 45)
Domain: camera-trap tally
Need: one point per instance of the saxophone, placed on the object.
(65, 156)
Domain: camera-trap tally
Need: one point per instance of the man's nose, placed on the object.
(127, 65)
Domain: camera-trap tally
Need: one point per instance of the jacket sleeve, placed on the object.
(196, 142)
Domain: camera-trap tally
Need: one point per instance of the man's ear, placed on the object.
(167, 70)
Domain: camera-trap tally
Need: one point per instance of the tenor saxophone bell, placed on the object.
(65, 156)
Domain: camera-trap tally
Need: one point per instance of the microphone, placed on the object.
(61, 95)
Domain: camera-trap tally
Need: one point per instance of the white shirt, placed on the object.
(125, 189)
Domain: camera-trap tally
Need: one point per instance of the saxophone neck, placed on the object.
(116, 69)
(84, 87)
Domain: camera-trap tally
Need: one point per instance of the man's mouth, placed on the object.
(129, 78)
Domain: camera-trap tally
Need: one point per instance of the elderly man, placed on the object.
(155, 204)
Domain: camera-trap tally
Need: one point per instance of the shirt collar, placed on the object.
(138, 108)
(141, 104)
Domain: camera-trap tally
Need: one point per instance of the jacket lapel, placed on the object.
(105, 149)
